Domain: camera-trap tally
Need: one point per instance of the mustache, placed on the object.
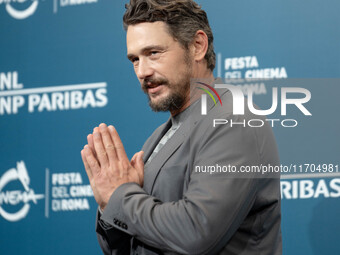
(154, 82)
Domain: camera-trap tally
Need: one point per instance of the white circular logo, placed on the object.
(20, 14)
(14, 197)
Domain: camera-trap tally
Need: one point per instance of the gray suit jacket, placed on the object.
(183, 211)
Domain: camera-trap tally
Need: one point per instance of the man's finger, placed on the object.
(99, 148)
(91, 144)
(133, 159)
(92, 162)
(139, 164)
(118, 145)
(86, 165)
(108, 144)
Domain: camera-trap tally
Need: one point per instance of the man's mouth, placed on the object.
(151, 86)
(154, 88)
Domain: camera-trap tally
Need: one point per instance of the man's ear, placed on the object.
(200, 45)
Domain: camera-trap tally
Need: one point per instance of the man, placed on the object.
(162, 202)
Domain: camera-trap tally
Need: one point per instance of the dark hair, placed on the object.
(183, 17)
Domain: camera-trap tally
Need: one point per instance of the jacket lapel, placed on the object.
(154, 139)
(154, 167)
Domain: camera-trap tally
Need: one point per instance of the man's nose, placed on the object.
(144, 69)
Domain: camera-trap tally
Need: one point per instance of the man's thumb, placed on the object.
(139, 160)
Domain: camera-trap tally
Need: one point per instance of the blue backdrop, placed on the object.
(63, 71)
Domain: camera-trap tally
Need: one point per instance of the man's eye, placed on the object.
(153, 53)
(134, 60)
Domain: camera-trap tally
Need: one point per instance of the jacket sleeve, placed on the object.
(212, 208)
(111, 240)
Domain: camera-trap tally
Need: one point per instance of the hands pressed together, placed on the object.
(107, 164)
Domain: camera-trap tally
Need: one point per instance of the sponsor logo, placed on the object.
(58, 4)
(248, 68)
(27, 8)
(246, 73)
(64, 192)
(23, 9)
(13, 96)
(310, 189)
(69, 193)
(16, 197)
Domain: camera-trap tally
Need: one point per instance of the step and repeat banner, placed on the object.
(63, 71)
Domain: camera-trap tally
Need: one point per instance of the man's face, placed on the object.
(161, 64)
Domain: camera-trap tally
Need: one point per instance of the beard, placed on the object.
(176, 98)
(178, 91)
